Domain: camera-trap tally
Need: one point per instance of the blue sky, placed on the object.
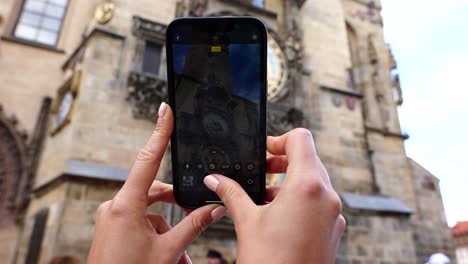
(429, 39)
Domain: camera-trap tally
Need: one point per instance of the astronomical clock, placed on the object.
(277, 70)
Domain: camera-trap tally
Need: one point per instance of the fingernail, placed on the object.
(162, 109)
(218, 212)
(187, 258)
(211, 182)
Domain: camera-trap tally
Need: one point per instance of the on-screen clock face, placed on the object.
(277, 72)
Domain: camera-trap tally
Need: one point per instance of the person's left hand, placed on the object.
(125, 233)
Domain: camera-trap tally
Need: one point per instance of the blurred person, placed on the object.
(438, 258)
(300, 223)
(64, 260)
(214, 257)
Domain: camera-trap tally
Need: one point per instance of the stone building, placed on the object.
(460, 235)
(80, 85)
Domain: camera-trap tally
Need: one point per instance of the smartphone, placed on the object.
(217, 85)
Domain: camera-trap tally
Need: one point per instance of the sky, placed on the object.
(429, 39)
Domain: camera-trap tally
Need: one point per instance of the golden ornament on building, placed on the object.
(104, 13)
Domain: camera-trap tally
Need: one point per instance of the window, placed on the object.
(151, 58)
(259, 3)
(37, 234)
(40, 21)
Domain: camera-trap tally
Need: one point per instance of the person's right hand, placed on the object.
(302, 224)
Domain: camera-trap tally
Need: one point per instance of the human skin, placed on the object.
(301, 223)
(126, 233)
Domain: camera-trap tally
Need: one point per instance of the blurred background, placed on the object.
(379, 84)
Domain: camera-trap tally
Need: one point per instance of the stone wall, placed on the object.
(70, 224)
(431, 232)
(373, 238)
(334, 116)
(9, 235)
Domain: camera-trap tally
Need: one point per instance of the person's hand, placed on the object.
(125, 233)
(302, 224)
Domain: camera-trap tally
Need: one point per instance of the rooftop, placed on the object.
(460, 229)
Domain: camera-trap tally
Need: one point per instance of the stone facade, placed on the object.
(341, 84)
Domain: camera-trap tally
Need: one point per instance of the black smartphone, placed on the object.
(216, 69)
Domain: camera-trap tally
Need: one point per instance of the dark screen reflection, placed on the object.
(217, 98)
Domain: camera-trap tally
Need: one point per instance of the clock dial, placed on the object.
(215, 125)
(64, 108)
(276, 70)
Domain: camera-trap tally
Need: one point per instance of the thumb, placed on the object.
(236, 200)
(195, 223)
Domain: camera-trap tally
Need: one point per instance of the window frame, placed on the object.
(32, 42)
(143, 35)
(161, 50)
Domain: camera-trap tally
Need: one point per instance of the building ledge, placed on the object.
(77, 52)
(387, 133)
(375, 203)
(32, 44)
(87, 170)
(342, 91)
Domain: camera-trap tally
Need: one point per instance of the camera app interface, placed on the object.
(217, 78)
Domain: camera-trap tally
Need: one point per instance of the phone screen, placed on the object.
(218, 91)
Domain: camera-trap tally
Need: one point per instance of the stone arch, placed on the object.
(354, 56)
(371, 50)
(352, 44)
(12, 164)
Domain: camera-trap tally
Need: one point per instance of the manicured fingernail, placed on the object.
(211, 182)
(187, 258)
(162, 109)
(218, 212)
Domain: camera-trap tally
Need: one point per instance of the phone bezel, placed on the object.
(188, 201)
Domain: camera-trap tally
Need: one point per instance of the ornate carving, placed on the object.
(391, 58)
(146, 92)
(397, 86)
(293, 49)
(145, 28)
(337, 100)
(294, 45)
(34, 151)
(371, 14)
(191, 8)
(350, 103)
(12, 163)
(280, 121)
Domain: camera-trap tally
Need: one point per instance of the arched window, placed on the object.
(353, 52)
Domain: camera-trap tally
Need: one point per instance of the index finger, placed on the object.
(147, 163)
(299, 148)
